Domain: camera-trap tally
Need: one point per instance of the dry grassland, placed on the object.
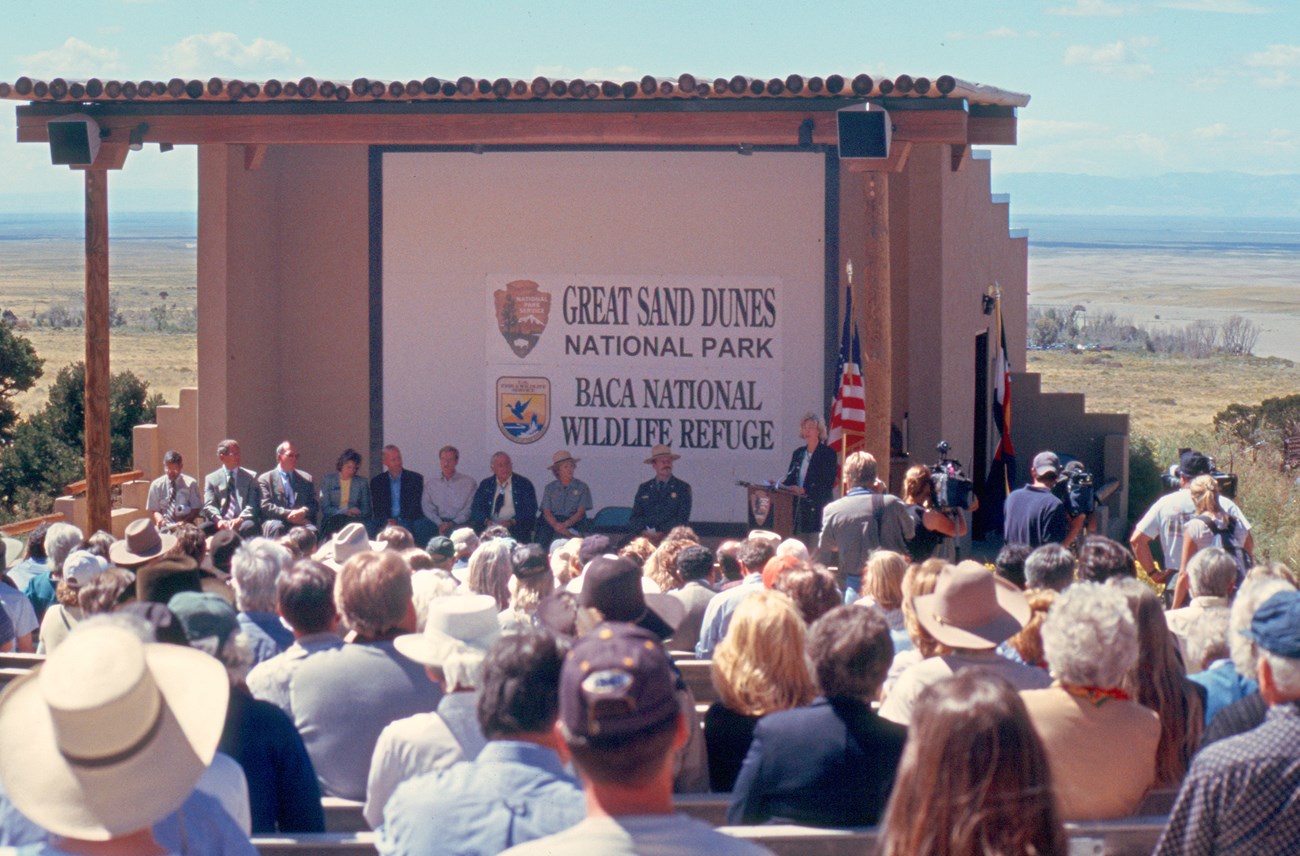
(1164, 395)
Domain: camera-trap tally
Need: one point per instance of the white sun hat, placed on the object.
(110, 734)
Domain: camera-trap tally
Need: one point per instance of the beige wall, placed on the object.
(283, 297)
(283, 303)
(949, 242)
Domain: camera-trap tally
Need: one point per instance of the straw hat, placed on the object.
(971, 608)
(345, 544)
(13, 551)
(457, 634)
(111, 734)
(560, 457)
(143, 542)
(662, 451)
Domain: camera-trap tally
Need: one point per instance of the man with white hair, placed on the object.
(288, 495)
(1239, 795)
(1211, 574)
(254, 571)
(1233, 704)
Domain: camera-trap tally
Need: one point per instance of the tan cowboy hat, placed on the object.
(143, 542)
(662, 451)
(972, 608)
(560, 457)
(345, 544)
(111, 734)
(13, 551)
(457, 634)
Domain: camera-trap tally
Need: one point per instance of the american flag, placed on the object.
(848, 427)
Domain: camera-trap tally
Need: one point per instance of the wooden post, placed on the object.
(98, 431)
(876, 320)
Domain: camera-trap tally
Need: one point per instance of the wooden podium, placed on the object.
(770, 508)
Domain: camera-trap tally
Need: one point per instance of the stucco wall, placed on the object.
(283, 301)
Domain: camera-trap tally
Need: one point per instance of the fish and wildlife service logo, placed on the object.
(523, 408)
(522, 311)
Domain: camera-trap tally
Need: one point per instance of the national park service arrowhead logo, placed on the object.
(523, 408)
(760, 506)
(522, 310)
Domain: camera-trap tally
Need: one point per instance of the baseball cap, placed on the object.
(1046, 462)
(613, 585)
(1192, 464)
(1276, 625)
(208, 620)
(441, 547)
(617, 681)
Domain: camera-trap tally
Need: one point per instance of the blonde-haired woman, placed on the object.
(1211, 521)
(758, 668)
(811, 474)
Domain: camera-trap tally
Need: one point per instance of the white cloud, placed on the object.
(217, 53)
(73, 59)
(1279, 79)
(1217, 131)
(1227, 7)
(1090, 9)
(1121, 58)
(1275, 56)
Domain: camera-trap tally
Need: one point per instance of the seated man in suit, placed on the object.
(230, 495)
(505, 498)
(664, 501)
(831, 763)
(288, 495)
(395, 496)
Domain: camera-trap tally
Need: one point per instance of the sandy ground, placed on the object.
(1153, 287)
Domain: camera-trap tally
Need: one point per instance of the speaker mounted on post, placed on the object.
(864, 132)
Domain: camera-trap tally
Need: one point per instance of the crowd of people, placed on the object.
(478, 690)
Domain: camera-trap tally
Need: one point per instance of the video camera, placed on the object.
(950, 488)
(1170, 481)
(1076, 488)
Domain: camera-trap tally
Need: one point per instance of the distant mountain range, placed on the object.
(1199, 194)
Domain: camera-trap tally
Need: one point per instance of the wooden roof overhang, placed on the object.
(651, 113)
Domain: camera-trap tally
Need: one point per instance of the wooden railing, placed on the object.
(22, 527)
(77, 488)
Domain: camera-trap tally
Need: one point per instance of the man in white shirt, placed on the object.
(1169, 514)
(174, 497)
(447, 498)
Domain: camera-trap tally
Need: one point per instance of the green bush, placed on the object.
(48, 448)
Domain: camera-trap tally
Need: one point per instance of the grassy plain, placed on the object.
(1164, 394)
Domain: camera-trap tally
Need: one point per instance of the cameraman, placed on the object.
(1168, 514)
(932, 525)
(1033, 515)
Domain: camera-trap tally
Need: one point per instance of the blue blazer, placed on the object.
(829, 764)
(331, 490)
(522, 494)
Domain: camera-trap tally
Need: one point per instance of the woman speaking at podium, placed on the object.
(811, 474)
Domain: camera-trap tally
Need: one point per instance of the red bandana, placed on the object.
(1096, 695)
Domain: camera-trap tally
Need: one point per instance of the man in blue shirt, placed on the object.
(1239, 795)
(1032, 514)
(517, 789)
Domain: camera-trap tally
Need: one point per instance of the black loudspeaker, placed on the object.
(74, 140)
(863, 132)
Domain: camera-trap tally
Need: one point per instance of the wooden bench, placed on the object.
(1134, 836)
(345, 815)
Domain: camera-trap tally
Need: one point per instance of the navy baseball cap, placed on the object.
(1276, 625)
(1192, 464)
(617, 681)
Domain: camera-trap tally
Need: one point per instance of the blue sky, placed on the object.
(1119, 88)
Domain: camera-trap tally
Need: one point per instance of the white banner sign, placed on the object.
(628, 362)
